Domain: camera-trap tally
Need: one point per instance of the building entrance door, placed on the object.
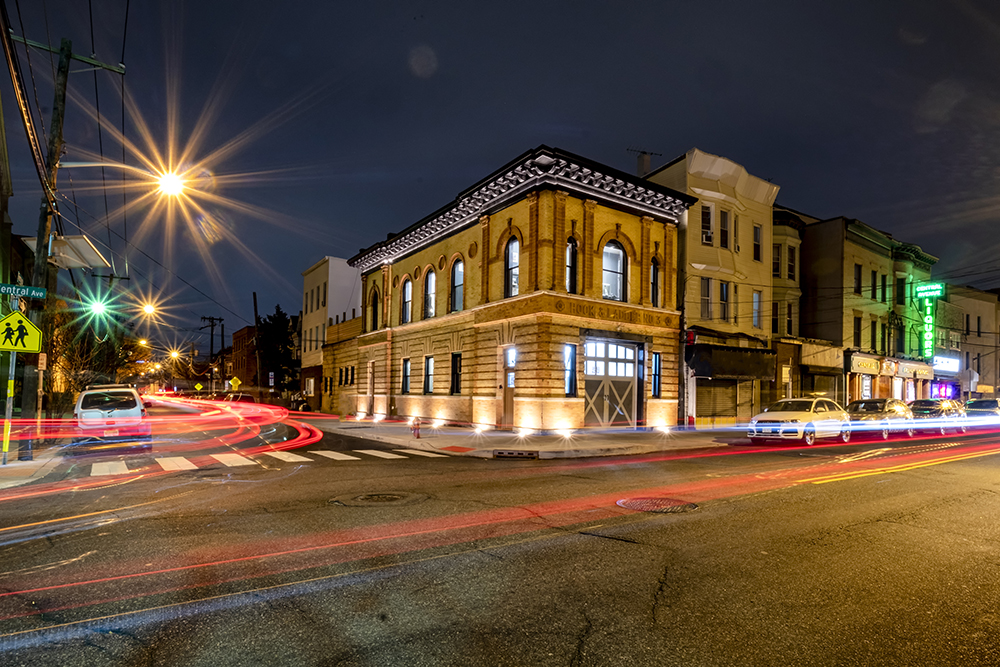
(610, 370)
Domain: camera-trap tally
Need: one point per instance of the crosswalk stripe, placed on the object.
(420, 452)
(379, 453)
(108, 468)
(232, 460)
(288, 456)
(176, 463)
(336, 456)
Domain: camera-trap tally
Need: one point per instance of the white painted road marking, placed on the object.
(336, 456)
(176, 463)
(108, 468)
(233, 460)
(288, 456)
(379, 453)
(420, 452)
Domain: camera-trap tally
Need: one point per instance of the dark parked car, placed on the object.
(983, 411)
(881, 417)
(939, 415)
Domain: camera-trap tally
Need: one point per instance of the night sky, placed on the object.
(319, 127)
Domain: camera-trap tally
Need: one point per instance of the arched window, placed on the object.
(375, 305)
(430, 286)
(654, 283)
(571, 266)
(406, 313)
(511, 260)
(613, 282)
(457, 286)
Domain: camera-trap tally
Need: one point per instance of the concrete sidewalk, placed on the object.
(16, 472)
(507, 444)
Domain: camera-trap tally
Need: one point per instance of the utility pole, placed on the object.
(211, 344)
(42, 275)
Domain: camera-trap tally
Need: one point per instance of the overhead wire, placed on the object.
(100, 137)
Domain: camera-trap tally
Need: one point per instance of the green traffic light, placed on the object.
(98, 307)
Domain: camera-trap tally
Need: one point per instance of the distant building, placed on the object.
(331, 290)
(860, 290)
(244, 357)
(978, 334)
(542, 297)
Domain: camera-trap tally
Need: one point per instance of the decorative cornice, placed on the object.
(540, 168)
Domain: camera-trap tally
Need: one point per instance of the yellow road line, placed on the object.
(900, 468)
(83, 516)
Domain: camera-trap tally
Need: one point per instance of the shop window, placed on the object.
(569, 369)
(512, 259)
(430, 287)
(613, 283)
(457, 286)
(405, 383)
(571, 266)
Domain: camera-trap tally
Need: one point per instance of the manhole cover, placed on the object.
(380, 499)
(661, 505)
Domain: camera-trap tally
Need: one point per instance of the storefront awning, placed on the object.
(723, 362)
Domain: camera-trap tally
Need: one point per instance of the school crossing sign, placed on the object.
(19, 334)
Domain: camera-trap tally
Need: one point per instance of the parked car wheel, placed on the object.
(845, 434)
(885, 431)
(809, 435)
(756, 441)
(911, 432)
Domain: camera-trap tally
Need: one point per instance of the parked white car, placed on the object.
(804, 419)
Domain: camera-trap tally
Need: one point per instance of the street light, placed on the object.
(171, 184)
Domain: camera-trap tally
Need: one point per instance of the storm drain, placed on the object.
(382, 499)
(514, 454)
(661, 505)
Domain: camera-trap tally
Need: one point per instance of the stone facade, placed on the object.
(553, 326)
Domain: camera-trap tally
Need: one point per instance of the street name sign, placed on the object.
(23, 291)
(19, 334)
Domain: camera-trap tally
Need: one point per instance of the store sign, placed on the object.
(928, 294)
(946, 364)
(867, 365)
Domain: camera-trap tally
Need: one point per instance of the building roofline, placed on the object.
(535, 169)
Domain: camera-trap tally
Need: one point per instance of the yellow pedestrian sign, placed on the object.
(19, 334)
(235, 382)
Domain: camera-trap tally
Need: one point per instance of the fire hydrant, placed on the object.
(415, 428)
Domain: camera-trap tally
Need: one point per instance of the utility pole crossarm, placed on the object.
(118, 69)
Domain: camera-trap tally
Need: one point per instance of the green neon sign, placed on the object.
(930, 291)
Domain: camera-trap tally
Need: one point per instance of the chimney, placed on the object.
(642, 164)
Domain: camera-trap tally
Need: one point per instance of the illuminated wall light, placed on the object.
(663, 429)
(437, 423)
(410, 421)
(479, 430)
(360, 416)
(525, 432)
(378, 418)
(565, 432)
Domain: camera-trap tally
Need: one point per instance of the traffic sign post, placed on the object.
(18, 333)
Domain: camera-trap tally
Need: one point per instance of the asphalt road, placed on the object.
(870, 553)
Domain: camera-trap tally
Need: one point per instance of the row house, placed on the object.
(966, 342)
(543, 297)
(726, 272)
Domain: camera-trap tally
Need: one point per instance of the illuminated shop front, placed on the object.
(870, 376)
(946, 381)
